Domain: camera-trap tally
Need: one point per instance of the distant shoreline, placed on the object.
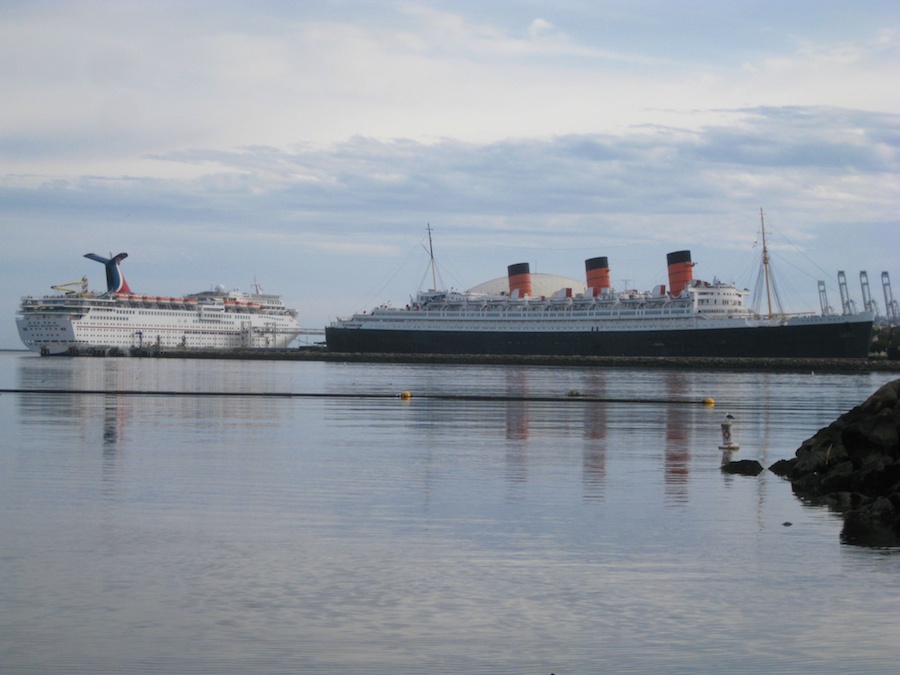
(656, 362)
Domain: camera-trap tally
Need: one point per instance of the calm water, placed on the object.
(357, 533)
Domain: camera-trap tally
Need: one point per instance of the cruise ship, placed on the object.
(77, 320)
(690, 318)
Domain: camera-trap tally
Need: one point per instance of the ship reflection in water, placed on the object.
(530, 425)
(301, 517)
(533, 426)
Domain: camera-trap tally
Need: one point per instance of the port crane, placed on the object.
(890, 305)
(869, 304)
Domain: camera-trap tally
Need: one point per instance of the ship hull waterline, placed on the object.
(831, 340)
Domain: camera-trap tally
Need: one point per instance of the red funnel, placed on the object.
(519, 279)
(597, 270)
(681, 271)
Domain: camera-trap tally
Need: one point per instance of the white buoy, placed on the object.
(727, 437)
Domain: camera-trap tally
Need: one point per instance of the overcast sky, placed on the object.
(309, 144)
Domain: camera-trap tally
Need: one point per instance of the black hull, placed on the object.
(826, 340)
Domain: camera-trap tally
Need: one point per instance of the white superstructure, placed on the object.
(700, 304)
(78, 320)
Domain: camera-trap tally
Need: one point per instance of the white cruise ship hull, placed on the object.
(71, 325)
(79, 321)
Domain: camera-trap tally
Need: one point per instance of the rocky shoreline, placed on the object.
(853, 467)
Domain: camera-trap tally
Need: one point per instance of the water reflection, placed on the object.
(664, 426)
(361, 534)
(677, 440)
(593, 456)
(121, 391)
(534, 431)
(869, 535)
(517, 429)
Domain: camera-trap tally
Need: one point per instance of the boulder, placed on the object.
(743, 467)
(853, 467)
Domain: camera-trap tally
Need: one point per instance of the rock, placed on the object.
(853, 467)
(744, 467)
(782, 467)
(842, 501)
(837, 479)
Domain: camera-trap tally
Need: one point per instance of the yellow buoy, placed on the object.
(405, 396)
(709, 401)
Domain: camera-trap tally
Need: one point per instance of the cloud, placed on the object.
(106, 81)
(837, 163)
(539, 27)
(316, 137)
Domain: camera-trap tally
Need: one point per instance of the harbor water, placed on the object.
(215, 516)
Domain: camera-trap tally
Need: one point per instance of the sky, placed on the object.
(308, 146)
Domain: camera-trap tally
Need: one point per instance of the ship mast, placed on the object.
(431, 260)
(765, 261)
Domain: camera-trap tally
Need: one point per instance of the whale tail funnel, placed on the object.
(115, 281)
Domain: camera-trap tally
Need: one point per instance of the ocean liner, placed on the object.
(77, 320)
(692, 318)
